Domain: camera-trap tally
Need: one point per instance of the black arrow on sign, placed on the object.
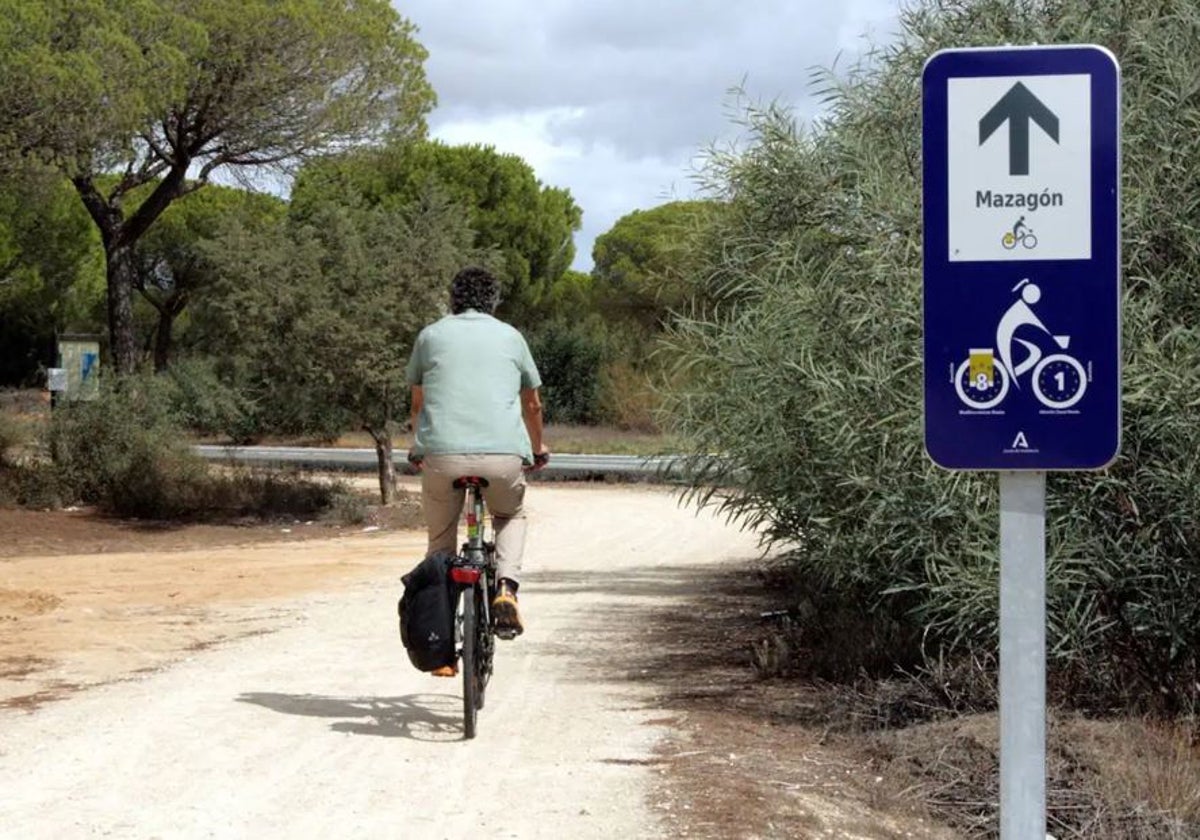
(1019, 107)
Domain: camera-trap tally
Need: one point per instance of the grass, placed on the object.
(1117, 779)
(606, 440)
(1153, 762)
(23, 414)
(929, 739)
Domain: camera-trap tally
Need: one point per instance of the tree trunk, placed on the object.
(120, 308)
(119, 236)
(162, 338)
(387, 467)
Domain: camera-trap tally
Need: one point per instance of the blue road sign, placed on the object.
(1022, 258)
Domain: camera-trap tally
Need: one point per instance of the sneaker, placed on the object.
(445, 671)
(505, 614)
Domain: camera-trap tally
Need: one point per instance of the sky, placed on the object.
(616, 100)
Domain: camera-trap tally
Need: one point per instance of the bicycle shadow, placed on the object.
(419, 717)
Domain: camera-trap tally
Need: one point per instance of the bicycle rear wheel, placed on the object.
(484, 645)
(472, 699)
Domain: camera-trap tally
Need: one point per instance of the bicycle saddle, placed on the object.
(470, 481)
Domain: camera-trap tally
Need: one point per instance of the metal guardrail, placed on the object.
(364, 460)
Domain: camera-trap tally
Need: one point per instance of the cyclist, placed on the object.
(1020, 314)
(476, 410)
(1019, 229)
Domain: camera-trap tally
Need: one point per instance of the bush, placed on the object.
(203, 403)
(36, 485)
(808, 373)
(267, 495)
(569, 358)
(124, 451)
(24, 481)
(12, 436)
(628, 397)
(348, 508)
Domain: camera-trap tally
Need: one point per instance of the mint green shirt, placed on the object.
(472, 368)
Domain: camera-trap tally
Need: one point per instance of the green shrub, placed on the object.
(263, 494)
(24, 481)
(569, 358)
(203, 403)
(628, 397)
(37, 485)
(12, 436)
(808, 373)
(124, 451)
(348, 508)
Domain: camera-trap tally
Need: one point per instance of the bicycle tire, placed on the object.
(488, 630)
(1049, 401)
(992, 402)
(471, 699)
(483, 648)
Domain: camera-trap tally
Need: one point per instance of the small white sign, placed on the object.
(56, 379)
(1020, 180)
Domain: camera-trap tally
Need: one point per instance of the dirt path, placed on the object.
(314, 724)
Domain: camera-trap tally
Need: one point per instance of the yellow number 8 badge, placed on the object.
(983, 368)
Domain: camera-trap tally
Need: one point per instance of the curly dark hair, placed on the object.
(474, 288)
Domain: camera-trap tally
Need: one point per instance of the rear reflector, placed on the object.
(464, 574)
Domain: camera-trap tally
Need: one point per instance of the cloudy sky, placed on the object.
(615, 99)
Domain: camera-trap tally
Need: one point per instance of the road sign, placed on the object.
(1018, 108)
(1022, 321)
(56, 379)
(80, 358)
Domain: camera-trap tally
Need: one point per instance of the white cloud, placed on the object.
(523, 133)
(612, 182)
(614, 99)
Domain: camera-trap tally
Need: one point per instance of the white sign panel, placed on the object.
(1019, 168)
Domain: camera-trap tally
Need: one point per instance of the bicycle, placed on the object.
(1010, 240)
(474, 572)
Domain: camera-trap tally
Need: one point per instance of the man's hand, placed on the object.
(540, 459)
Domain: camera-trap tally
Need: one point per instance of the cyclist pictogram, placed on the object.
(1058, 380)
(1021, 234)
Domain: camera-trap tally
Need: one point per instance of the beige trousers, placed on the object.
(504, 495)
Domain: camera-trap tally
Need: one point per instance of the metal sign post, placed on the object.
(1022, 326)
(1023, 655)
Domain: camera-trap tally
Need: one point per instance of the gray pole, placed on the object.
(1022, 655)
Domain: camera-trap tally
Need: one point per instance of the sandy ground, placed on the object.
(234, 682)
(312, 723)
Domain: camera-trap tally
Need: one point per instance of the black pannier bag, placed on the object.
(427, 612)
